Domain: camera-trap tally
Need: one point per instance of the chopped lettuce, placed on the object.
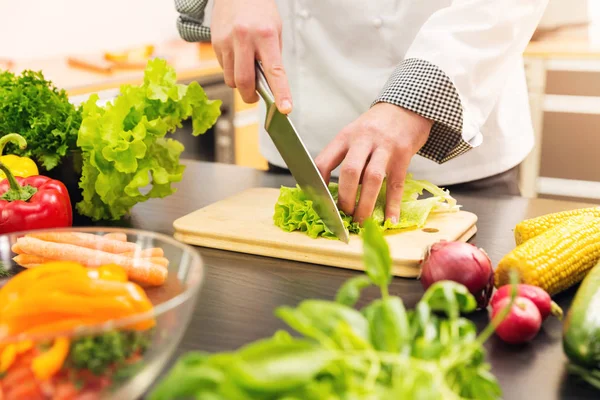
(124, 146)
(294, 211)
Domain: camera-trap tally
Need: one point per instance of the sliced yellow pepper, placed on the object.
(47, 364)
(19, 166)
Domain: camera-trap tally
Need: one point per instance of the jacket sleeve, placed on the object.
(189, 22)
(455, 68)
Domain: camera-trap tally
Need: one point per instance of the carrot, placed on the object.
(121, 237)
(162, 261)
(29, 266)
(86, 240)
(16, 249)
(152, 252)
(137, 269)
(24, 259)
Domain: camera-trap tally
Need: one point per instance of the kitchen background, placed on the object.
(68, 41)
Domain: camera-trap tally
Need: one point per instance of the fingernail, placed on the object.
(286, 106)
(394, 220)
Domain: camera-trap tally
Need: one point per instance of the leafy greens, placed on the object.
(31, 106)
(294, 211)
(123, 143)
(381, 351)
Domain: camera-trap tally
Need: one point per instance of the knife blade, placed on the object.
(298, 160)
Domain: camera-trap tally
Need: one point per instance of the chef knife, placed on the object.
(290, 147)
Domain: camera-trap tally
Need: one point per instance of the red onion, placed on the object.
(459, 262)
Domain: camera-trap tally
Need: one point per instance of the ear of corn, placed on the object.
(532, 227)
(556, 259)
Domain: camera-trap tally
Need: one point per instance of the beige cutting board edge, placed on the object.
(244, 223)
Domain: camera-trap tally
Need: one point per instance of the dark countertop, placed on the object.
(241, 292)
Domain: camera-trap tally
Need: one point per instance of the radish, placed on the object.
(522, 323)
(536, 294)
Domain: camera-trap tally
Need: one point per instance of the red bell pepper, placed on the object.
(35, 202)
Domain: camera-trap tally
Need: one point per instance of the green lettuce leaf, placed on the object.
(294, 211)
(126, 157)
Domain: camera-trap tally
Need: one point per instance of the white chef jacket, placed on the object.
(342, 56)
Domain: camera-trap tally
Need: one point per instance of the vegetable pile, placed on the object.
(124, 146)
(60, 296)
(34, 108)
(294, 211)
(144, 266)
(381, 351)
(554, 251)
(125, 155)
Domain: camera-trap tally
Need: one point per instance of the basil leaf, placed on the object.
(191, 374)
(449, 297)
(318, 319)
(388, 325)
(349, 293)
(376, 254)
(270, 366)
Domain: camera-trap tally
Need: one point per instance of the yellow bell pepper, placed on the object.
(19, 166)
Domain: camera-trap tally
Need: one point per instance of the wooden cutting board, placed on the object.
(244, 223)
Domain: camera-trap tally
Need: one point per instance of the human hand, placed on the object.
(380, 143)
(243, 31)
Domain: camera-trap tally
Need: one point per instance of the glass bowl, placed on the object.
(101, 360)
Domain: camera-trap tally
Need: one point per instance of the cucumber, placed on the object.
(581, 329)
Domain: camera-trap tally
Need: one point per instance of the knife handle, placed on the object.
(192, 31)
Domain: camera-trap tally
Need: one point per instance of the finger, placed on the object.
(331, 156)
(269, 51)
(244, 74)
(352, 167)
(373, 177)
(395, 189)
(228, 68)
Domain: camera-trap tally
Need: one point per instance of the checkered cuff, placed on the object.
(425, 89)
(189, 23)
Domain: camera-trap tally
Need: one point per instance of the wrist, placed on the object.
(403, 115)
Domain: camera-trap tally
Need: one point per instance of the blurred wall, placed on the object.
(42, 28)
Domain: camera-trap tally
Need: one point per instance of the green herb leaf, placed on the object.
(376, 255)
(349, 292)
(124, 146)
(270, 366)
(318, 319)
(450, 297)
(33, 107)
(388, 325)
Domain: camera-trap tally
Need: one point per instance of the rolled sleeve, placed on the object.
(425, 89)
(189, 22)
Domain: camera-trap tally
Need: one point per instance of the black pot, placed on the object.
(69, 173)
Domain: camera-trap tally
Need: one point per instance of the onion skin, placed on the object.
(459, 262)
(522, 323)
(536, 294)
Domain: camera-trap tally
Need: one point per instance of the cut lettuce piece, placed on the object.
(294, 211)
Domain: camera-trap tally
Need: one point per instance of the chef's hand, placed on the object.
(243, 31)
(380, 143)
